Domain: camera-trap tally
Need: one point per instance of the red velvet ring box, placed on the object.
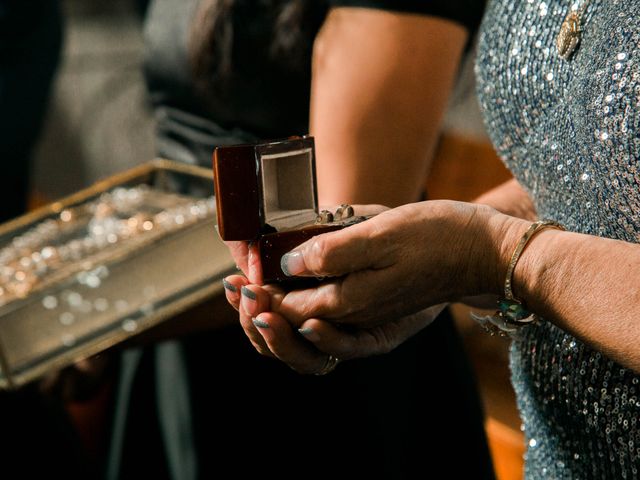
(266, 193)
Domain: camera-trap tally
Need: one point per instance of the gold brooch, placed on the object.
(569, 36)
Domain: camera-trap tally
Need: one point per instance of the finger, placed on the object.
(254, 265)
(240, 254)
(365, 342)
(360, 298)
(337, 253)
(325, 300)
(287, 345)
(250, 330)
(254, 300)
(232, 286)
(344, 345)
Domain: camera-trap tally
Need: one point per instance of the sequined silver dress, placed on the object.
(570, 132)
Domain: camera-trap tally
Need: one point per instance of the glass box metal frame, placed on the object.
(115, 292)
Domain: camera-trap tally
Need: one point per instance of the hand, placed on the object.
(305, 349)
(247, 255)
(398, 263)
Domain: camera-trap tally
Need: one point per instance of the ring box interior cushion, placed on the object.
(266, 193)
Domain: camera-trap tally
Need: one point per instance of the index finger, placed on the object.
(247, 258)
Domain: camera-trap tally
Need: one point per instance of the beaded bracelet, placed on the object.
(512, 314)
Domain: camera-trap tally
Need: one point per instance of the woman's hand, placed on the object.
(400, 262)
(305, 349)
(389, 269)
(247, 254)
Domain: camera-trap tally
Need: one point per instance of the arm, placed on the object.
(589, 286)
(380, 85)
(511, 199)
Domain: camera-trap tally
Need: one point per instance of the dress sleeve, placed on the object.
(466, 12)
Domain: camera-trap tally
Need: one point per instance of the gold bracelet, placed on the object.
(511, 313)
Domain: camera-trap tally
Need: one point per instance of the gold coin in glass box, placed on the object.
(90, 271)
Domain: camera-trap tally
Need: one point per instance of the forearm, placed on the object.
(380, 85)
(586, 285)
(511, 199)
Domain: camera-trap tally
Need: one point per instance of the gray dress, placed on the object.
(570, 132)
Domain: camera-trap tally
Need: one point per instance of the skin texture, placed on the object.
(380, 86)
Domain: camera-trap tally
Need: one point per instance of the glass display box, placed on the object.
(96, 268)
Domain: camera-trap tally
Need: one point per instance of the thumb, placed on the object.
(334, 254)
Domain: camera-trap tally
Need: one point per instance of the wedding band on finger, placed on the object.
(329, 366)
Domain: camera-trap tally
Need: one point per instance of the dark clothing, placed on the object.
(408, 414)
(265, 96)
(37, 439)
(30, 43)
(400, 415)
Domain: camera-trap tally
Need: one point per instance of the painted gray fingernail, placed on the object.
(260, 323)
(229, 286)
(309, 333)
(292, 263)
(251, 295)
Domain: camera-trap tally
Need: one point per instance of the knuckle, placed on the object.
(320, 255)
(337, 300)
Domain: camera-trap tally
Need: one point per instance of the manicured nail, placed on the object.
(229, 286)
(309, 333)
(251, 295)
(260, 323)
(292, 263)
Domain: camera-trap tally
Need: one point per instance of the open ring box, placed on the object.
(92, 270)
(266, 193)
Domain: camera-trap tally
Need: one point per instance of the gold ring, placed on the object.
(329, 366)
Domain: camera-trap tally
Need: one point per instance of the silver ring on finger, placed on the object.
(329, 366)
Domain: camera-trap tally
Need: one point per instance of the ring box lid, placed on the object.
(265, 188)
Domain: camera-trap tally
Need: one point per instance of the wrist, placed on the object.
(503, 232)
(531, 278)
(513, 310)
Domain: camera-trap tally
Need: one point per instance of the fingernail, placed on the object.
(260, 323)
(251, 295)
(229, 286)
(292, 263)
(309, 333)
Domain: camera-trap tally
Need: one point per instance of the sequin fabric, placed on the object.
(570, 132)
